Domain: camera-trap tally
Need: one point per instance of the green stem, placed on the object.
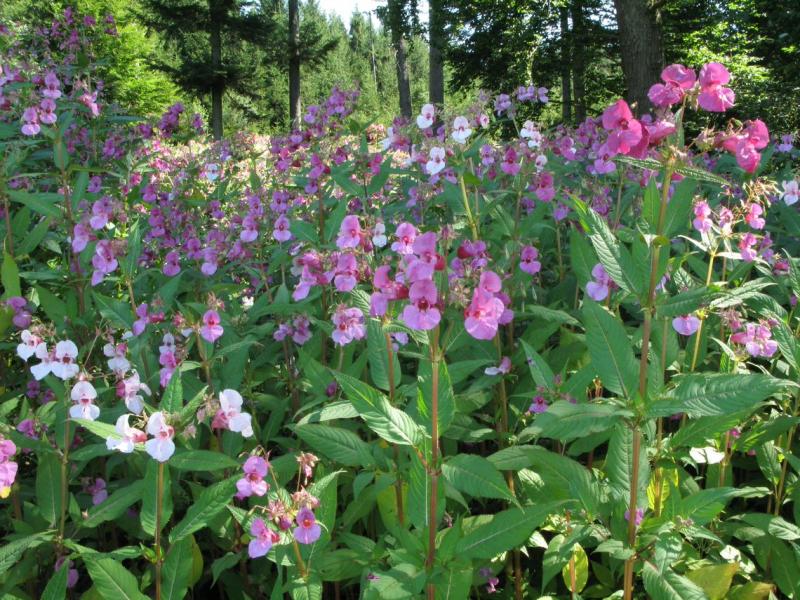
(398, 483)
(433, 468)
(698, 335)
(159, 503)
(472, 224)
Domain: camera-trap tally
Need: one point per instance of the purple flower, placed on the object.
(211, 330)
(686, 324)
(348, 325)
(264, 538)
(599, 289)
(539, 405)
(639, 516)
(307, 530)
(171, 264)
(527, 260)
(252, 484)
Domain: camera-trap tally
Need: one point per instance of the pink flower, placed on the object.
(263, 540)
(27, 348)
(746, 247)
(680, 75)
(349, 233)
(130, 391)
(757, 340)
(211, 330)
(599, 289)
(747, 157)
(252, 484)
(281, 231)
(140, 323)
(103, 261)
(714, 96)
(753, 216)
(230, 415)
(510, 164)
(483, 314)
(701, 212)
(307, 530)
(626, 132)
(686, 325)
(502, 369)
(346, 275)
(539, 405)
(31, 118)
(714, 73)
(638, 518)
(422, 313)
(527, 260)
(51, 86)
(348, 325)
(406, 234)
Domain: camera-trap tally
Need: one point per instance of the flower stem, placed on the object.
(159, 503)
(398, 483)
(64, 481)
(472, 225)
(433, 468)
(698, 335)
(9, 230)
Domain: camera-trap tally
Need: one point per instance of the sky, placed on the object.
(344, 8)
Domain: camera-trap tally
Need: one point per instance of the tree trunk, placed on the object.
(396, 26)
(641, 47)
(579, 59)
(436, 63)
(218, 84)
(294, 63)
(566, 88)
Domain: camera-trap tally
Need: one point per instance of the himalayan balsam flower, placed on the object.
(8, 468)
(701, 221)
(130, 390)
(211, 330)
(757, 340)
(426, 116)
(64, 366)
(637, 519)
(307, 530)
(83, 395)
(461, 130)
(263, 538)
(27, 348)
(791, 192)
(436, 160)
(230, 415)
(539, 405)
(714, 96)
(98, 491)
(252, 484)
(160, 446)
(502, 369)
(599, 289)
(348, 325)
(422, 313)
(349, 233)
(127, 436)
(686, 324)
(528, 262)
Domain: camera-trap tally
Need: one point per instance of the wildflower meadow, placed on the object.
(460, 355)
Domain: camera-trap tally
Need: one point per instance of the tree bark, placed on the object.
(579, 59)
(641, 47)
(218, 84)
(294, 63)
(401, 52)
(436, 45)
(566, 87)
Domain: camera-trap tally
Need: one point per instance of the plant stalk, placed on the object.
(159, 503)
(398, 483)
(433, 468)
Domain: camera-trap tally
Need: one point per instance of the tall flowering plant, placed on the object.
(424, 360)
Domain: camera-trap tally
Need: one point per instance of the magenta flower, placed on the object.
(346, 273)
(686, 325)
(422, 312)
(436, 160)
(757, 340)
(701, 212)
(528, 262)
(714, 96)
(637, 519)
(406, 234)
(103, 261)
(510, 164)
(172, 264)
(348, 325)
(211, 330)
(263, 540)
(349, 233)
(502, 369)
(281, 231)
(483, 315)
(753, 216)
(626, 132)
(539, 405)
(307, 530)
(252, 484)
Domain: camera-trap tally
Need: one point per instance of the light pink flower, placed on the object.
(422, 313)
(349, 233)
(83, 395)
(252, 484)
(160, 446)
(127, 437)
(686, 325)
(348, 325)
(211, 330)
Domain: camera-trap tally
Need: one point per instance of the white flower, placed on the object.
(530, 133)
(131, 388)
(168, 344)
(44, 368)
(435, 160)
(387, 142)
(64, 365)
(128, 436)
(160, 446)
(426, 116)
(379, 235)
(118, 363)
(709, 455)
(28, 346)
(83, 395)
(461, 130)
(230, 402)
(791, 192)
(541, 161)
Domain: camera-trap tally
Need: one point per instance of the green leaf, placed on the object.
(716, 394)
(615, 258)
(610, 350)
(48, 487)
(12, 551)
(682, 303)
(44, 203)
(379, 355)
(503, 531)
(679, 208)
(116, 311)
(541, 373)
(100, 429)
(112, 580)
(9, 277)
(177, 570)
(714, 580)
(115, 505)
(223, 564)
(581, 570)
(56, 588)
(304, 231)
(172, 400)
(201, 460)
(337, 444)
(393, 425)
(446, 398)
(566, 421)
(210, 503)
(476, 476)
(309, 588)
(619, 464)
(669, 585)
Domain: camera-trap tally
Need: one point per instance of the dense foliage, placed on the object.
(458, 356)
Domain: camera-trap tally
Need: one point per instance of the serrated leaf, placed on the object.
(210, 503)
(115, 505)
(337, 444)
(669, 585)
(476, 476)
(112, 580)
(610, 349)
(177, 570)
